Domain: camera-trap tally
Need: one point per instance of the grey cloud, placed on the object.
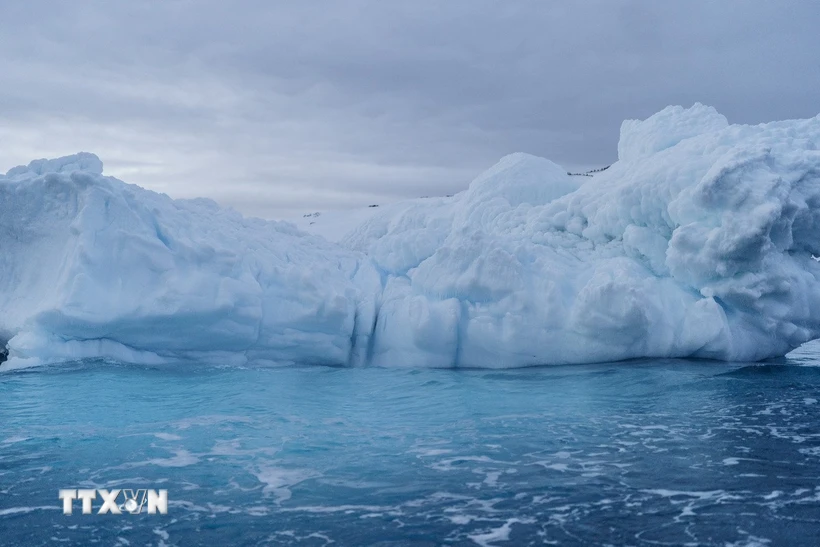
(278, 107)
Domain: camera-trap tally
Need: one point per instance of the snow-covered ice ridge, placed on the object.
(697, 242)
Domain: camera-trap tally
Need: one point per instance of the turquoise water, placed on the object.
(644, 453)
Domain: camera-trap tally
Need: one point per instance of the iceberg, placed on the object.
(94, 267)
(700, 241)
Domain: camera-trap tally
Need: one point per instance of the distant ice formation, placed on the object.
(698, 242)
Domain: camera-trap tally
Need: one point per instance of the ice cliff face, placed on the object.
(698, 242)
(95, 267)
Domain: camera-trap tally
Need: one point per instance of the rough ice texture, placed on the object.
(93, 267)
(698, 242)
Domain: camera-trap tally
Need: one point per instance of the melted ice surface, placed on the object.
(698, 242)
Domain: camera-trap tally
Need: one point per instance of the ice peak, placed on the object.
(522, 178)
(82, 161)
(642, 138)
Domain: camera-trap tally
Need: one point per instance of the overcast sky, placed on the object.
(278, 108)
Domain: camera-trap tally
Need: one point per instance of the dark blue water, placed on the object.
(641, 453)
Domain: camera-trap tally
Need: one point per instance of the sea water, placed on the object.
(650, 452)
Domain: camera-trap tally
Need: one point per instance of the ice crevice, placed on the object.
(700, 241)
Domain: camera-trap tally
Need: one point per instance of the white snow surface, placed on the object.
(698, 242)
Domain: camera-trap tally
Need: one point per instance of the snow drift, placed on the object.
(698, 242)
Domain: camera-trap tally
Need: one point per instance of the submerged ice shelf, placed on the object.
(697, 242)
